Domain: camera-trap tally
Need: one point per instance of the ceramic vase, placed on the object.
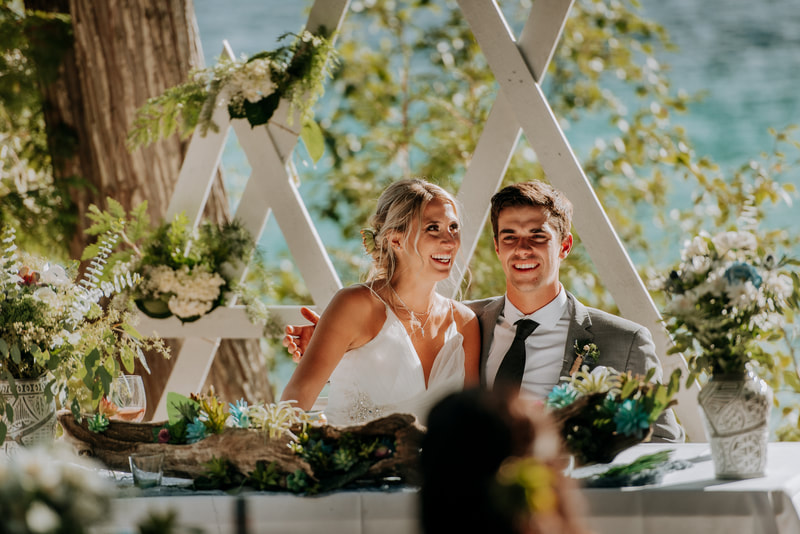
(34, 415)
(736, 411)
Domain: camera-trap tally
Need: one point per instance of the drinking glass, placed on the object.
(146, 469)
(127, 392)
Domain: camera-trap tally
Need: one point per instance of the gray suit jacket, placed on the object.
(623, 345)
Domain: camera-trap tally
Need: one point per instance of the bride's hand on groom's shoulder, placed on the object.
(297, 336)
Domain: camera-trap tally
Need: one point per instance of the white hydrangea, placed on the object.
(192, 292)
(698, 246)
(681, 304)
(252, 81)
(55, 275)
(779, 285)
(188, 307)
(743, 296)
(732, 240)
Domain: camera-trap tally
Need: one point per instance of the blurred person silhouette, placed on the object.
(493, 462)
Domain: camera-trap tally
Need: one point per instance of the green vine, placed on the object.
(251, 88)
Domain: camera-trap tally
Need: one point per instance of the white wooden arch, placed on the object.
(519, 67)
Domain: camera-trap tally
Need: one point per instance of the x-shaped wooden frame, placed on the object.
(269, 189)
(519, 69)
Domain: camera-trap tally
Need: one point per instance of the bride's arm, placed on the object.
(470, 328)
(346, 323)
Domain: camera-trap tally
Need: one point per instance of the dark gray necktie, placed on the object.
(509, 374)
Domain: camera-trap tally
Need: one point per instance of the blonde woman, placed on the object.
(393, 344)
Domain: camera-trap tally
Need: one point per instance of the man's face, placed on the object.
(530, 251)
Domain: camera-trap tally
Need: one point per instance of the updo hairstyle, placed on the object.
(400, 204)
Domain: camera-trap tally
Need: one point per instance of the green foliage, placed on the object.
(69, 329)
(186, 272)
(266, 476)
(335, 463)
(220, 473)
(98, 423)
(31, 199)
(253, 88)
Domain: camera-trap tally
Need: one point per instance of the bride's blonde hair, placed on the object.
(398, 206)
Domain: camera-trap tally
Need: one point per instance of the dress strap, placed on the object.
(369, 286)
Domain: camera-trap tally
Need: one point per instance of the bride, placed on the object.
(393, 344)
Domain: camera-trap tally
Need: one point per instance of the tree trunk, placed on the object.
(126, 51)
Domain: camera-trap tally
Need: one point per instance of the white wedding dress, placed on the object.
(385, 376)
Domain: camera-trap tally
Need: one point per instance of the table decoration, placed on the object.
(264, 446)
(602, 412)
(727, 301)
(63, 338)
(186, 272)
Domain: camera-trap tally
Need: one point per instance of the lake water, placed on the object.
(747, 58)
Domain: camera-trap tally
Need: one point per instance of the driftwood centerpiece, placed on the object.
(244, 449)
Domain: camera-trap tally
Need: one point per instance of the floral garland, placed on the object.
(251, 89)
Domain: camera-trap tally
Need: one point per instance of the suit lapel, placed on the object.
(579, 330)
(487, 317)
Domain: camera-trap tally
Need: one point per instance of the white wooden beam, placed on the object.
(200, 166)
(268, 150)
(496, 144)
(519, 85)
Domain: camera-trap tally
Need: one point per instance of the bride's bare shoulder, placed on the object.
(358, 300)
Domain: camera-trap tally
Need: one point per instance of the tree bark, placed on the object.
(126, 51)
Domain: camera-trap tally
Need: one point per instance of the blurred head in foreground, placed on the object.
(493, 463)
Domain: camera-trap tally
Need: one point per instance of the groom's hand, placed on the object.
(297, 337)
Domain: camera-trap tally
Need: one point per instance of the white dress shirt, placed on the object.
(544, 348)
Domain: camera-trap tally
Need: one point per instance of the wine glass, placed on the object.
(127, 392)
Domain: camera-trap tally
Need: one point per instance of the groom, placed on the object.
(531, 222)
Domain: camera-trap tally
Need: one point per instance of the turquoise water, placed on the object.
(747, 59)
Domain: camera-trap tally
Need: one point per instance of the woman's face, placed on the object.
(434, 252)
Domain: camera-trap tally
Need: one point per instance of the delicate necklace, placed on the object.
(412, 314)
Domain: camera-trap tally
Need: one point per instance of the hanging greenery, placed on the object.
(251, 89)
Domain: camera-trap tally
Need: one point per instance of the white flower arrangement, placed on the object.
(191, 291)
(251, 88)
(52, 490)
(77, 333)
(727, 300)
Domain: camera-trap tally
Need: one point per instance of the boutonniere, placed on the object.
(585, 352)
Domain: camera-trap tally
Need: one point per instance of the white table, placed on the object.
(694, 501)
(685, 502)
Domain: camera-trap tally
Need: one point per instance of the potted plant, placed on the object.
(63, 338)
(727, 303)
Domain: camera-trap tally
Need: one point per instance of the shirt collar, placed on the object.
(547, 316)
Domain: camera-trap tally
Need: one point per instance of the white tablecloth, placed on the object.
(685, 502)
(694, 501)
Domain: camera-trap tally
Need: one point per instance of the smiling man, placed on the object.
(529, 334)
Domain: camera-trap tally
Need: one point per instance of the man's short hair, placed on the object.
(537, 194)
